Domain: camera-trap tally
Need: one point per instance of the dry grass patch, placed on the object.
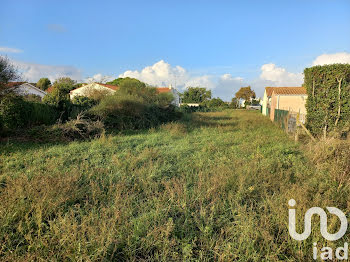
(175, 128)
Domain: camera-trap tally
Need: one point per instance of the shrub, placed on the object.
(328, 103)
(121, 112)
(191, 109)
(15, 113)
(203, 108)
(215, 103)
(32, 98)
(41, 114)
(58, 98)
(125, 111)
(84, 101)
(1, 126)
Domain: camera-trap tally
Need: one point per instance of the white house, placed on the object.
(27, 89)
(173, 91)
(86, 90)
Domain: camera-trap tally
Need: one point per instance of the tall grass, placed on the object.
(214, 187)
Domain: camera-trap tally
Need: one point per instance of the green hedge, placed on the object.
(15, 112)
(328, 102)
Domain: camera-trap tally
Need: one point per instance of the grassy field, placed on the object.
(213, 187)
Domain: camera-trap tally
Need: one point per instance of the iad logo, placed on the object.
(327, 251)
(323, 222)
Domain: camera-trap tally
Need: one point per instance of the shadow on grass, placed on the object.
(213, 119)
(16, 144)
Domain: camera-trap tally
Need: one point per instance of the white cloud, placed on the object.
(33, 72)
(163, 74)
(227, 86)
(4, 49)
(202, 81)
(229, 77)
(272, 75)
(325, 59)
(99, 78)
(280, 76)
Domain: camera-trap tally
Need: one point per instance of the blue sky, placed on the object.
(221, 44)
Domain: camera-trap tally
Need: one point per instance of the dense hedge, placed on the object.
(15, 112)
(328, 103)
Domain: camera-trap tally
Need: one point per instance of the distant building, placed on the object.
(190, 104)
(173, 91)
(291, 99)
(266, 102)
(88, 89)
(22, 88)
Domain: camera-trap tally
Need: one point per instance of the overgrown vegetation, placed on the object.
(328, 102)
(134, 106)
(126, 111)
(213, 187)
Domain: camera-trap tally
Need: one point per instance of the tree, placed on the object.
(164, 99)
(59, 96)
(234, 103)
(196, 95)
(126, 81)
(65, 83)
(116, 82)
(215, 102)
(245, 93)
(43, 83)
(134, 87)
(8, 73)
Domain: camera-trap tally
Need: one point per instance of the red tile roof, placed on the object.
(13, 84)
(49, 90)
(163, 90)
(285, 90)
(289, 90)
(269, 90)
(109, 86)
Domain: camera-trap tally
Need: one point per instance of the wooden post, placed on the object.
(308, 132)
(296, 137)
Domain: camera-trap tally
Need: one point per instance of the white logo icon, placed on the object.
(323, 222)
